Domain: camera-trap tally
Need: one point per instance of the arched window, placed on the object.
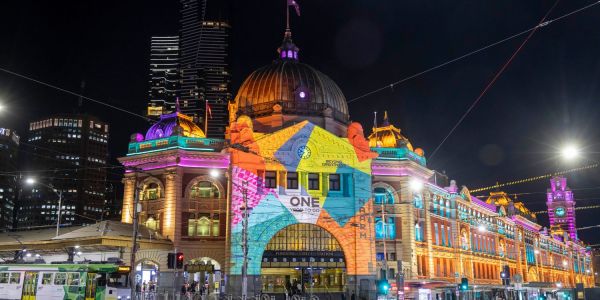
(152, 223)
(204, 189)
(151, 191)
(383, 195)
(202, 224)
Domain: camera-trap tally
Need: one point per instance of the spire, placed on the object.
(385, 119)
(177, 108)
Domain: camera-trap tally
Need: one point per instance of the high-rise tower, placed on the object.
(69, 153)
(164, 75)
(9, 147)
(561, 208)
(204, 67)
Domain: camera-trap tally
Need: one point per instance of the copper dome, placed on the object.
(297, 87)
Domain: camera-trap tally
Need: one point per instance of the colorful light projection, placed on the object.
(319, 179)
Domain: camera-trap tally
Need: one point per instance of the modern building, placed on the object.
(204, 67)
(164, 75)
(297, 194)
(67, 155)
(9, 150)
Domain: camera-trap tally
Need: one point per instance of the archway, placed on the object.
(204, 275)
(146, 273)
(303, 258)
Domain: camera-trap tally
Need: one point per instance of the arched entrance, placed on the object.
(204, 275)
(303, 258)
(146, 272)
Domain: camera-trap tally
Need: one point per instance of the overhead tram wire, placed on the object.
(73, 93)
(493, 80)
(531, 179)
(391, 85)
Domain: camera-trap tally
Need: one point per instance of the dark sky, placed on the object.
(547, 97)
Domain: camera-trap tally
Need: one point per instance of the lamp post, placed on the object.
(32, 181)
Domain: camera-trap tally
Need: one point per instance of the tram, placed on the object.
(94, 281)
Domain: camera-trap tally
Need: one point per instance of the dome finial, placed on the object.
(288, 49)
(386, 122)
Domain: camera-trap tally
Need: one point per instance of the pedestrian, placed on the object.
(353, 297)
(343, 296)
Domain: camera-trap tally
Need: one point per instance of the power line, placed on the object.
(73, 93)
(492, 81)
(391, 85)
(531, 179)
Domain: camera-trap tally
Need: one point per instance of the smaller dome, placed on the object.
(174, 124)
(388, 136)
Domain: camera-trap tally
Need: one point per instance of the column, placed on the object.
(128, 194)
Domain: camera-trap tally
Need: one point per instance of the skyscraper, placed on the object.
(164, 74)
(69, 153)
(9, 145)
(204, 67)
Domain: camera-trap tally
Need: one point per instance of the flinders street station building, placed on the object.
(298, 198)
(327, 207)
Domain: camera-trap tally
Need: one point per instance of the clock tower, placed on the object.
(561, 208)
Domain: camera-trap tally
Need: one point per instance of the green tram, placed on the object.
(94, 281)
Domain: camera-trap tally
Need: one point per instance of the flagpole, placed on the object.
(287, 13)
(206, 117)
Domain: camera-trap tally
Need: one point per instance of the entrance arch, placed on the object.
(146, 271)
(204, 272)
(303, 257)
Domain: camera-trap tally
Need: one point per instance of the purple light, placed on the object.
(302, 95)
(139, 137)
(222, 163)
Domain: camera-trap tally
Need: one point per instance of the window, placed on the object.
(204, 189)
(270, 179)
(313, 181)
(334, 182)
(292, 180)
(47, 278)
(383, 195)
(60, 279)
(3, 277)
(151, 191)
(215, 225)
(15, 277)
(203, 226)
(72, 278)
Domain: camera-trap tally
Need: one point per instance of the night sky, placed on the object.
(547, 97)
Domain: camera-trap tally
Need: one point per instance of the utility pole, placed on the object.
(245, 242)
(136, 201)
(60, 195)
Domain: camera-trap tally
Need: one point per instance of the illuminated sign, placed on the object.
(124, 269)
(306, 209)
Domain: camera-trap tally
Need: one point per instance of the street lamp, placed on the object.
(416, 185)
(214, 173)
(481, 228)
(32, 181)
(570, 152)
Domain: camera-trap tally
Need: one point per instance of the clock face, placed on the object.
(303, 152)
(560, 211)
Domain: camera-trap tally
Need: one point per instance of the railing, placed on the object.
(172, 142)
(293, 107)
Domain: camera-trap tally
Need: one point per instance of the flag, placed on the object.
(295, 5)
(208, 110)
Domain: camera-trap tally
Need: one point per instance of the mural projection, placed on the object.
(302, 174)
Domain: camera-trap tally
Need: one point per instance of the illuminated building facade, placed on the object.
(68, 152)
(316, 201)
(9, 150)
(164, 75)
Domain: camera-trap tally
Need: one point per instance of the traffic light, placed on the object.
(464, 284)
(179, 260)
(383, 287)
(171, 260)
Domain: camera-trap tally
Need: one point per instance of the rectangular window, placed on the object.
(15, 278)
(313, 181)
(60, 279)
(292, 180)
(4, 277)
(72, 278)
(443, 231)
(47, 278)
(437, 235)
(270, 179)
(334, 182)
